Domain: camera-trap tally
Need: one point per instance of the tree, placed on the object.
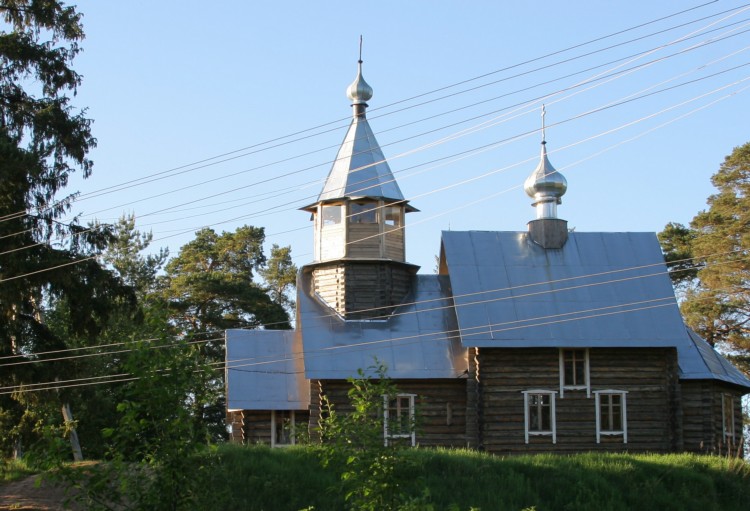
(209, 287)
(353, 441)
(280, 274)
(43, 140)
(717, 302)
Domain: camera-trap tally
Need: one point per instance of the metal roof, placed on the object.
(265, 371)
(598, 290)
(699, 361)
(360, 169)
(418, 341)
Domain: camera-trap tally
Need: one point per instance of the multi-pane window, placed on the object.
(727, 415)
(539, 414)
(282, 428)
(398, 418)
(611, 414)
(363, 213)
(574, 370)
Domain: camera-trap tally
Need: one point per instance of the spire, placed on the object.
(359, 91)
(360, 169)
(545, 185)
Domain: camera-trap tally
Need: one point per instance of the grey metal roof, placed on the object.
(699, 361)
(418, 341)
(265, 370)
(599, 290)
(360, 169)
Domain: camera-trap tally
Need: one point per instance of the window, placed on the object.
(539, 414)
(392, 216)
(727, 418)
(330, 215)
(282, 428)
(363, 213)
(574, 371)
(398, 418)
(611, 414)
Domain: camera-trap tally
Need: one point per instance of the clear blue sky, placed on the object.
(171, 83)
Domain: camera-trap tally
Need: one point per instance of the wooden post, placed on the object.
(74, 444)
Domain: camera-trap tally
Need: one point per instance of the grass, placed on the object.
(13, 470)
(255, 478)
(259, 478)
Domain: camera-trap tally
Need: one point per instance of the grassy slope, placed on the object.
(254, 478)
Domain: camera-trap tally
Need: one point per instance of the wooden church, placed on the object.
(541, 340)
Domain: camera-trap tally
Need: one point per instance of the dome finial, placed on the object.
(359, 91)
(545, 185)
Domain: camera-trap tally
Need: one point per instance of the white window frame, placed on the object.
(623, 411)
(292, 432)
(411, 435)
(526, 416)
(586, 372)
(728, 432)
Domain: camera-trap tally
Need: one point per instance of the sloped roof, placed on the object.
(599, 290)
(264, 371)
(418, 341)
(360, 169)
(699, 361)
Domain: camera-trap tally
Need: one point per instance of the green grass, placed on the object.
(258, 478)
(13, 470)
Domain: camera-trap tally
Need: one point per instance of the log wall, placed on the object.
(354, 289)
(440, 408)
(648, 375)
(703, 419)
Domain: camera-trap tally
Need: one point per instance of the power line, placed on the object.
(260, 144)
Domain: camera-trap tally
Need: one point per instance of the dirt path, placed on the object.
(26, 495)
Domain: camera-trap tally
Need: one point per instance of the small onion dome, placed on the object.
(545, 183)
(359, 91)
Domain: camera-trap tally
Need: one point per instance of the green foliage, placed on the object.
(353, 440)
(209, 284)
(43, 140)
(153, 462)
(260, 478)
(717, 305)
(280, 274)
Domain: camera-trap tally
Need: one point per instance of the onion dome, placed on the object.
(359, 91)
(545, 185)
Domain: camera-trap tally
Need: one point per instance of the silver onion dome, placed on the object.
(545, 181)
(359, 91)
(545, 185)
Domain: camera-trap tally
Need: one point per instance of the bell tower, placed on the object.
(360, 269)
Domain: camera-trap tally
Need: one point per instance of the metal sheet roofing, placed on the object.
(418, 341)
(699, 361)
(599, 290)
(360, 169)
(265, 371)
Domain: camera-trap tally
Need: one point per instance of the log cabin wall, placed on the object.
(703, 417)
(234, 420)
(648, 375)
(256, 427)
(440, 408)
(363, 290)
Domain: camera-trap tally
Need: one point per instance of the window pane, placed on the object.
(392, 216)
(331, 215)
(363, 213)
(574, 365)
(611, 412)
(539, 413)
